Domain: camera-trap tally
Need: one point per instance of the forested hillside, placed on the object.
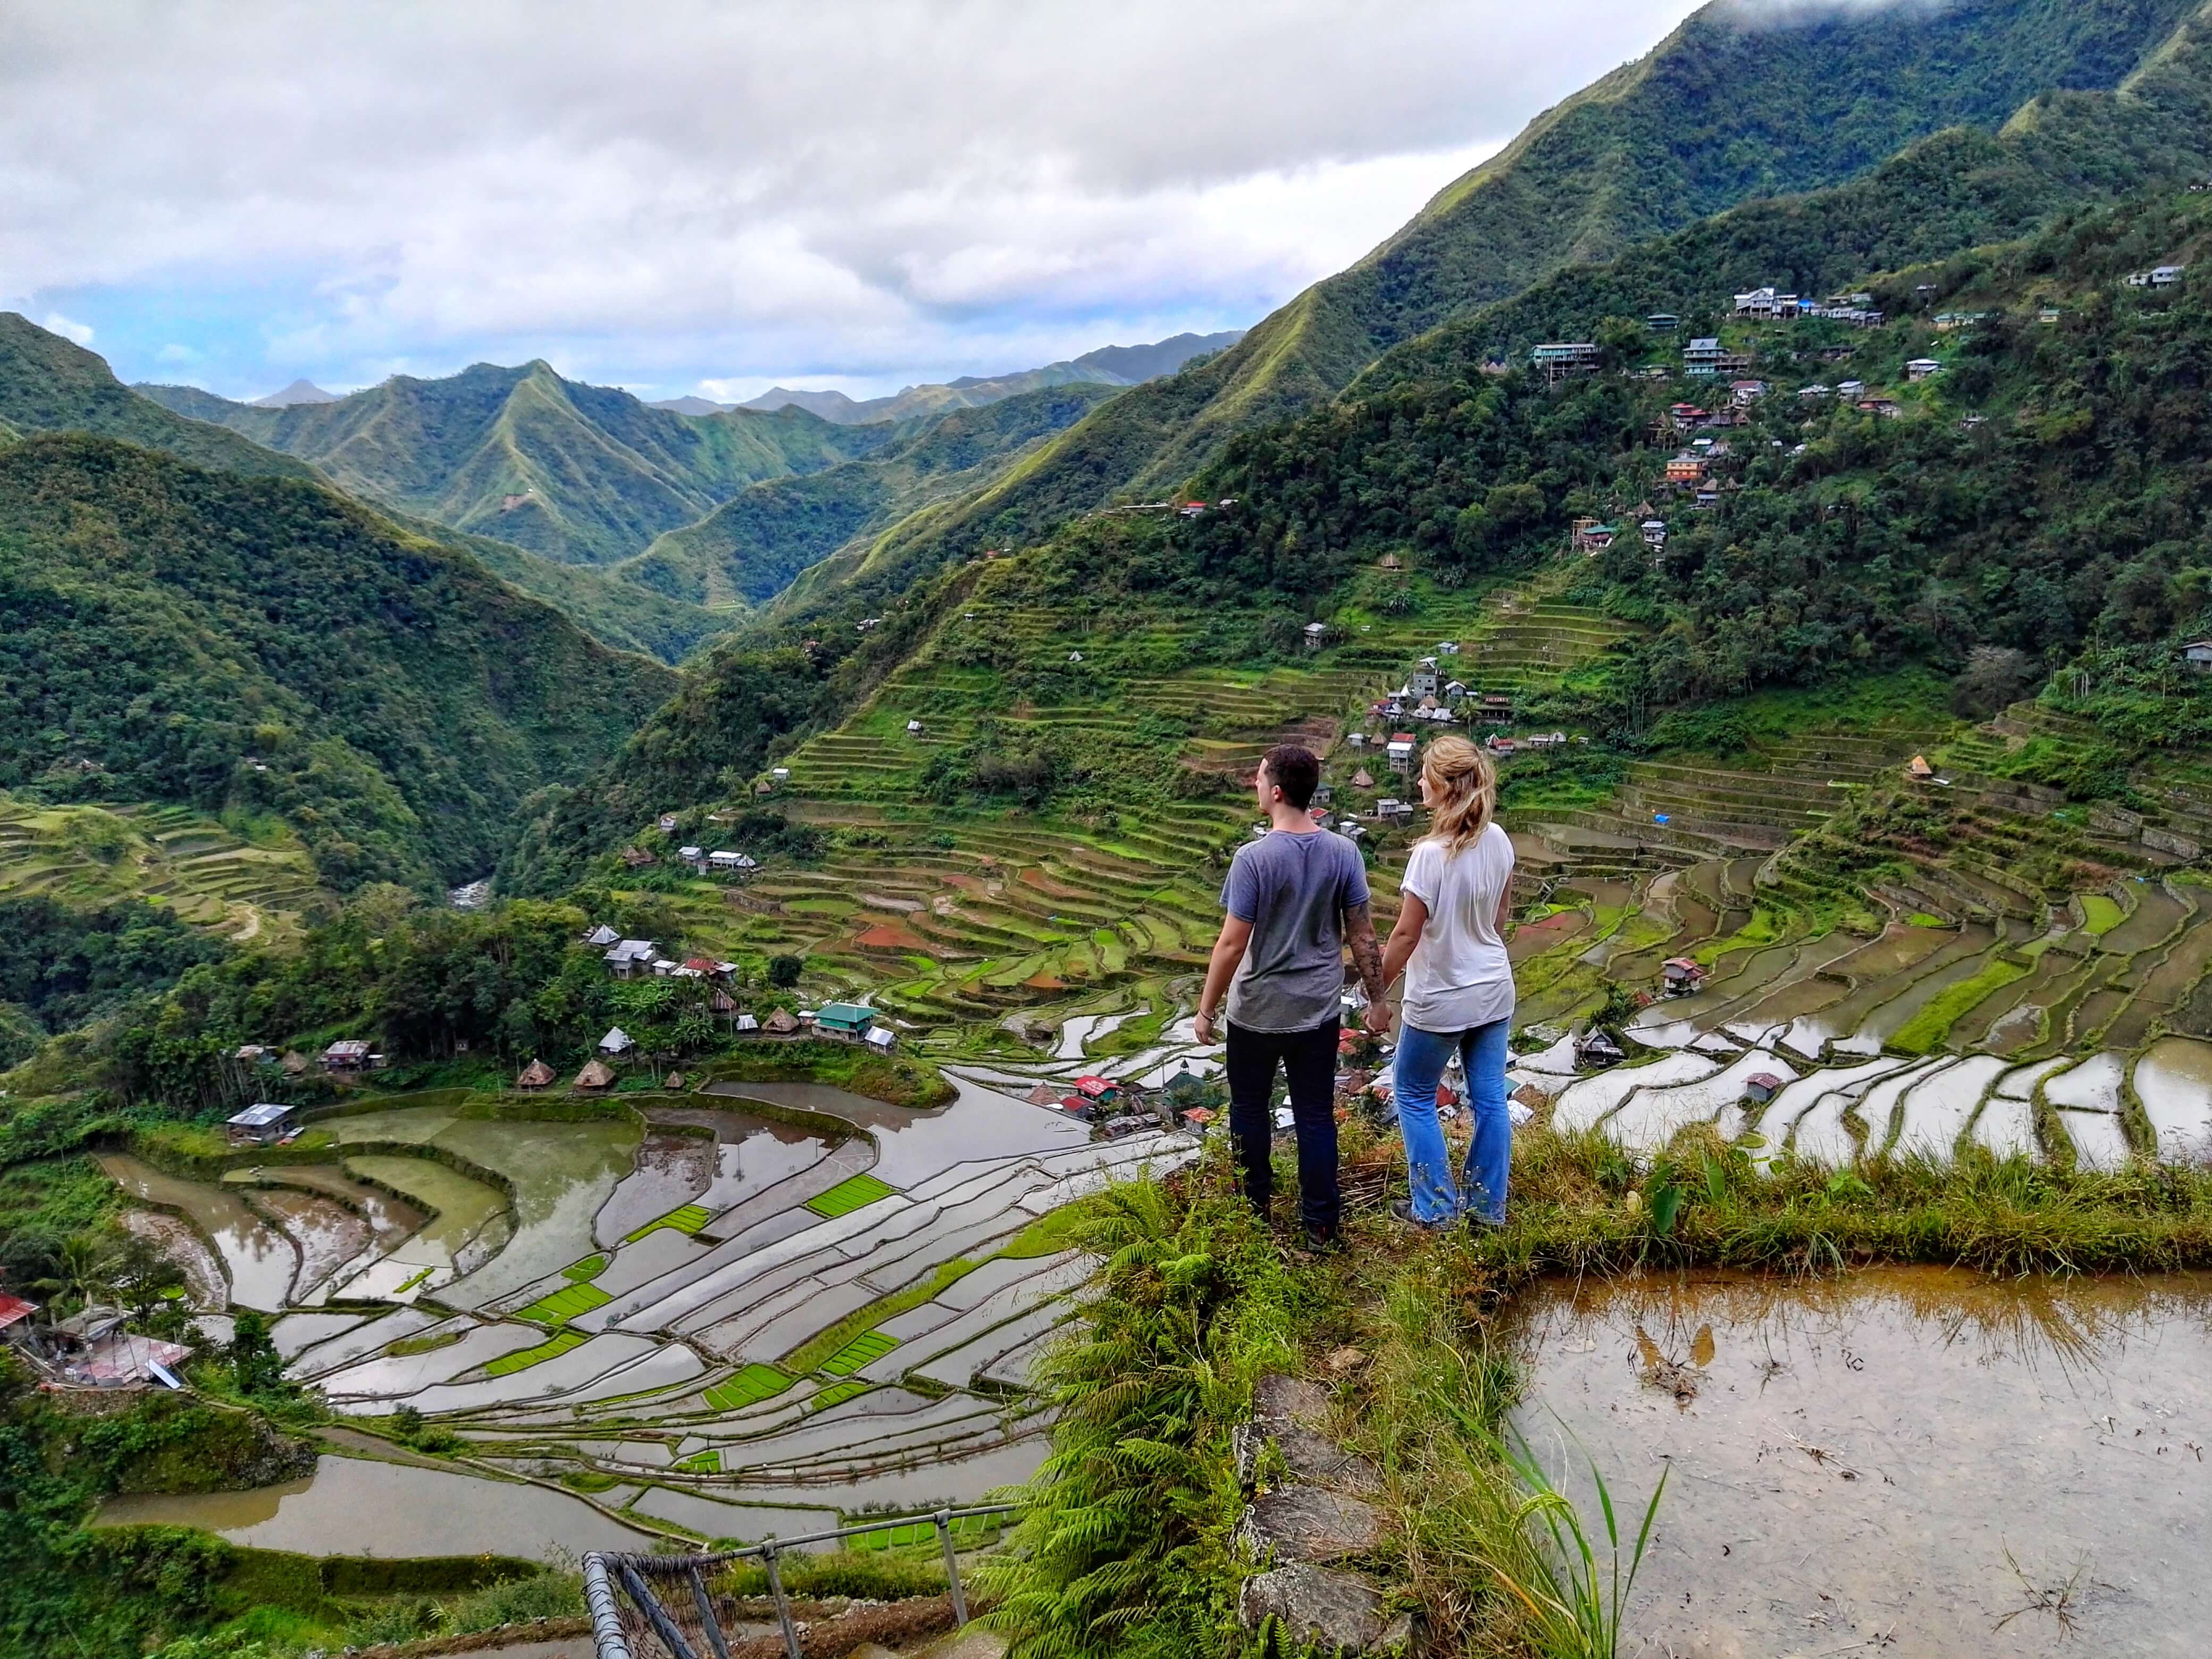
(587, 474)
(48, 384)
(170, 633)
(1720, 112)
(749, 548)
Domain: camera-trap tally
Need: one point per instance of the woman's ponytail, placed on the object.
(1463, 792)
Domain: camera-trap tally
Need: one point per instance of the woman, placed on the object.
(1458, 997)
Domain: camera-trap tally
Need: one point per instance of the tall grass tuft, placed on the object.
(1575, 1600)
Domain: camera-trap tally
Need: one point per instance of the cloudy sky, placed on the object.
(682, 197)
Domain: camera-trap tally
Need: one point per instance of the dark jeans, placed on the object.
(1308, 1061)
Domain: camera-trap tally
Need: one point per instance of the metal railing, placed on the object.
(610, 1575)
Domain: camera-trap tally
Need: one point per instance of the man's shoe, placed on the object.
(1316, 1243)
(1403, 1209)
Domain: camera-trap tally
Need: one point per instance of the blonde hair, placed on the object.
(1463, 792)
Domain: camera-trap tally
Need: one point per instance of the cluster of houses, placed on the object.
(1116, 1109)
(835, 1022)
(92, 1348)
(1766, 304)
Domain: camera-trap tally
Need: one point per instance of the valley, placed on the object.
(594, 982)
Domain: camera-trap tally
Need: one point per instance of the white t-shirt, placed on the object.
(1458, 977)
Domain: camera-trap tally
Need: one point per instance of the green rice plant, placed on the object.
(1574, 1601)
(748, 1386)
(849, 1195)
(564, 1304)
(507, 1363)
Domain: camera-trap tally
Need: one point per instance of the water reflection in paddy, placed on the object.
(914, 1145)
(1860, 1459)
(357, 1506)
(260, 1260)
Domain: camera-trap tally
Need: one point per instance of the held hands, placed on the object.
(1377, 1017)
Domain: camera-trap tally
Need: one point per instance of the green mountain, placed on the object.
(1408, 461)
(1116, 365)
(1722, 112)
(48, 384)
(257, 645)
(751, 547)
(582, 474)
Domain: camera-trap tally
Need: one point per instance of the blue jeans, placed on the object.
(1420, 1062)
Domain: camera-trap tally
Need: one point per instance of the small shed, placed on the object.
(744, 1025)
(1044, 1095)
(536, 1075)
(1681, 976)
(1597, 1047)
(616, 1041)
(1104, 1090)
(882, 1039)
(1918, 768)
(263, 1124)
(595, 1076)
(913, 728)
(603, 936)
(1761, 1087)
(1361, 780)
(1317, 636)
(15, 1317)
(1922, 368)
(668, 823)
(781, 1023)
(1197, 1117)
(636, 858)
(2197, 653)
(351, 1055)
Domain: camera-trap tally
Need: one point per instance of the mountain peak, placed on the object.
(299, 391)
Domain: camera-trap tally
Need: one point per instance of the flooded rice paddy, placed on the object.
(1913, 1462)
(257, 1261)
(644, 1304)
(364, 1506)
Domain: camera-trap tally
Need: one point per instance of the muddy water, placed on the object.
(672, 1169)
(563, 1174)
(914, 1145)
(260, 1260)
(355, 1506)
(1860, 1463)
(2174, 1080)
(328, 1235)
(173, 1237)
(389, 1219)
(467, 1209)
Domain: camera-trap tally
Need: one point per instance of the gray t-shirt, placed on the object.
(1294, 889)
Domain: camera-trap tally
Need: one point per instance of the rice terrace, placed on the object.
(1511, 960)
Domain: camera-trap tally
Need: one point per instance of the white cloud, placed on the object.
(875, 189)
(54, 323)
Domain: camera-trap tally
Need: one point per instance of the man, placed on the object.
(1295, 898)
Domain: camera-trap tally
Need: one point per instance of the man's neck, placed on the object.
(1291, 820)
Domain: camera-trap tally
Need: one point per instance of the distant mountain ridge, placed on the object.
(186, 616)
(299, 391)
(1119, 365)
(583, 474)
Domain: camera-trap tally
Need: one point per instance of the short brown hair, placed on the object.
(1295, 771)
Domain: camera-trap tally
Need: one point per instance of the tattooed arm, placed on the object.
(1367, 958)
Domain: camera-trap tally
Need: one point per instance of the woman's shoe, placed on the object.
(1403, 1209)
